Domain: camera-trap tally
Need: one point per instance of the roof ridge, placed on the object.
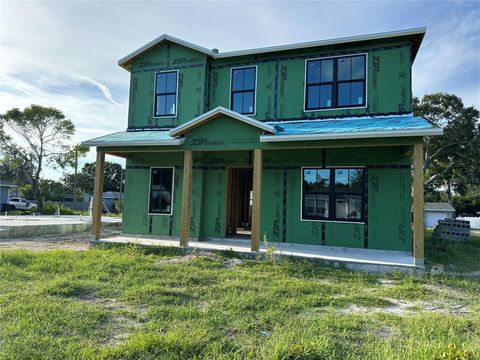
(123, 62)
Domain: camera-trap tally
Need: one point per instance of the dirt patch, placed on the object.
(387, 282)
(123, 320)
(190, 257)
(410, 307)
(445, 290)
(385, 332)
(76, 242)
(232, 263)
(230, 333)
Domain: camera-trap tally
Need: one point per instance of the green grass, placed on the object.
(124, 304)
(459, 256)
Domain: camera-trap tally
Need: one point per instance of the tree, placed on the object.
(452, 160)
(86, 178)
(45, 131)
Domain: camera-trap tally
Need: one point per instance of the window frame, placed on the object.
(150, 189)
(242, 91)
(332, 195)
(335, 83)
(155, 116)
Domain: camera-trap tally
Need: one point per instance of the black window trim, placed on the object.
(155, 95)
(333, 195)
(335, 83)
(150, 189)
(254, 113)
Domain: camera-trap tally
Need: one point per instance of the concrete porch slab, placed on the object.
(378, 261)
(21, 226)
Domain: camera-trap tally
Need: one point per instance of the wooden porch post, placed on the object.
(98, 195)
(418, 228)
(186, 195)
(256, 209)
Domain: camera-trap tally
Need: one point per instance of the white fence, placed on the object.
(474, 221)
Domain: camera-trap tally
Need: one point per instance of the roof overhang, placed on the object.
(104, 141)
(335, 41)
(417, 35)
(352, 135)
(125, 61)
(215, 113)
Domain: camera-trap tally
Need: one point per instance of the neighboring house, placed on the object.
(434, 211)
(4, 193)
(307, 143)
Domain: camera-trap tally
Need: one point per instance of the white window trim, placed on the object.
(150, 188)
(301, 193)
(335, 108)
(256, 84)
(155, 95)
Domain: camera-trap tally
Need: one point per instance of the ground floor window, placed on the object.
(333, 194)
(161, 190)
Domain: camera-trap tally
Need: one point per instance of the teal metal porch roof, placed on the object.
(135, 138)
(295, 130)
(352, 127)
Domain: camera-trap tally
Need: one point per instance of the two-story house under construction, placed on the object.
(312, 143)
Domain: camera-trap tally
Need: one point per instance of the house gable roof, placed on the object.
(212, 114)
(416, 34)
(438, 206)
(125, 62)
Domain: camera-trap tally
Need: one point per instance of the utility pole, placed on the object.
(75, 179)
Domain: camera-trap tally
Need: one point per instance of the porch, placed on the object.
(369, 260)
(197, 155)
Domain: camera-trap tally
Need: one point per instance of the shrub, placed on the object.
(50, 208)
(118, 206)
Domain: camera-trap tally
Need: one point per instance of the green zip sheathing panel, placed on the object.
(136, 219)
(191, 66)
(222, 133)
(387, 221)
(204, 83)
(281, 81)
(389, 209)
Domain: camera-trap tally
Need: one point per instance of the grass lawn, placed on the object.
(125, 304)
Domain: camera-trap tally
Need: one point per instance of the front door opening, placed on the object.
(239, 202)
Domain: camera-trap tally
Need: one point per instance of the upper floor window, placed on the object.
(166, 93)
(333, 194)
(242, 97)
(335, 83)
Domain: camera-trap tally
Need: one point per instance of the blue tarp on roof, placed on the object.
(352, 124)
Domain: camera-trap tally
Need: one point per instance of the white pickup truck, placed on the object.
(21, 204)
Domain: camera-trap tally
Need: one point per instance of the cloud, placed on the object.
(449, 59)
(64, 54)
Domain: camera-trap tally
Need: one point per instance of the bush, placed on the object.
(118, 206)
(50, 208)
(467, 204)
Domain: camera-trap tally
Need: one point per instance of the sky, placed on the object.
(64, 54)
